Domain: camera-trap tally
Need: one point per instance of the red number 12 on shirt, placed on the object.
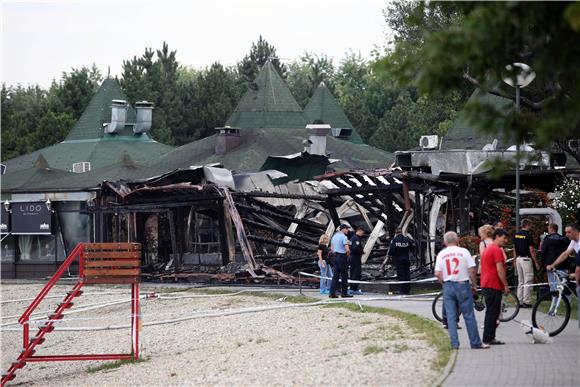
(448, 264)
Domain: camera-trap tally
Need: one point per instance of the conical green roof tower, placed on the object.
(324, 107)
(98, 112)
(88, 142)
(268, 103)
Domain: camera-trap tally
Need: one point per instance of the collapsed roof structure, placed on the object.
(250, 202)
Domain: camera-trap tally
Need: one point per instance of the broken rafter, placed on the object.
(297, 246)
(303, 222)
(281, 231)
(258, 194)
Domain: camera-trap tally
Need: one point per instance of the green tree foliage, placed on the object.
(154, 77)
(22, 109)
(409, 119)
(74, 90)
(29, 112)
(51, 129)
(260, 53)
(209, 97)
(306, 73)
(476, 51)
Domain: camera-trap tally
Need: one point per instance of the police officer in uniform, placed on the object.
(399, 251)
(356, 252)
(525, 256)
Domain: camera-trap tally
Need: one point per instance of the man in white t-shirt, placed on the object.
(454, 267)
(573, 233)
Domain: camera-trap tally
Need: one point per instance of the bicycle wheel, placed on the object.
(510, 307)
(437, 307)
(550, 314)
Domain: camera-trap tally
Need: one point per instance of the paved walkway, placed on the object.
(517, 363)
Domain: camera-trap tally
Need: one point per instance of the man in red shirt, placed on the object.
(493, 284)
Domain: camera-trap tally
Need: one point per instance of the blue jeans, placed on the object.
(459, 293)
(325, 271)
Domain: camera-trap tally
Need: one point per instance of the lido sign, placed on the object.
(32, 218)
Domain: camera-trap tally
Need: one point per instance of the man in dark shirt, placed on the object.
(524, 254)
(553, 245)
(399, 250)
(356, 252)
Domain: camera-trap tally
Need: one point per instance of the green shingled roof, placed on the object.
(258, 144)
(268, 103)
(323, 106)
(87, 141)
(463, 135)
(40, 174)
(98, 112)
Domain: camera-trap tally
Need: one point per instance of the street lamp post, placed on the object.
(520, 76)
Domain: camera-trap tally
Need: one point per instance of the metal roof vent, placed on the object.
(118, 116)
(83, 166)
(144, 117)
(343, 133)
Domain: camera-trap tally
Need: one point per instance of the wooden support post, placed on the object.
(173, 236)
(224, 234)
(300, 213)
(390, 214)
(372, 240)
(332, 209)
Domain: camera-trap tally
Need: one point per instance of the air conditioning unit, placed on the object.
(429, 142)
(574, 144)
(83, 166)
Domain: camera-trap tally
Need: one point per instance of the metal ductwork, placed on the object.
(118, 116)
(144, 117)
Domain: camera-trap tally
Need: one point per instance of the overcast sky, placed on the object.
(40, 40)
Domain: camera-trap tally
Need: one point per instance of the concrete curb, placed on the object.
(447, 370)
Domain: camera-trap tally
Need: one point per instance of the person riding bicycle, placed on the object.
(573, 233)
(553, 246)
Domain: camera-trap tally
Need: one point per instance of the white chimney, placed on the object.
(317, 137)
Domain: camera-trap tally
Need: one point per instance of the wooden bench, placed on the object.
(112, 263)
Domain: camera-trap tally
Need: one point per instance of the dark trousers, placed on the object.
(492, 311)
(340, 271)
(355, 271)
(403, 267)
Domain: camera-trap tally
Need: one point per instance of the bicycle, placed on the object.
(551, 312)
(510, 306)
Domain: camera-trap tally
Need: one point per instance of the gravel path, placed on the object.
(296, 346)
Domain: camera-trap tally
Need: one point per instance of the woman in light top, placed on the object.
(485, 233)
(323, 264)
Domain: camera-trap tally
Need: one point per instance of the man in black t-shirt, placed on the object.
(553, 245)
(524, 254)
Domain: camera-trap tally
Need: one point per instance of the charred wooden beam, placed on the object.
(281, 231)
(279, 195)
(304, 222)
(363, 190)
(332, 210)
(293, 246)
